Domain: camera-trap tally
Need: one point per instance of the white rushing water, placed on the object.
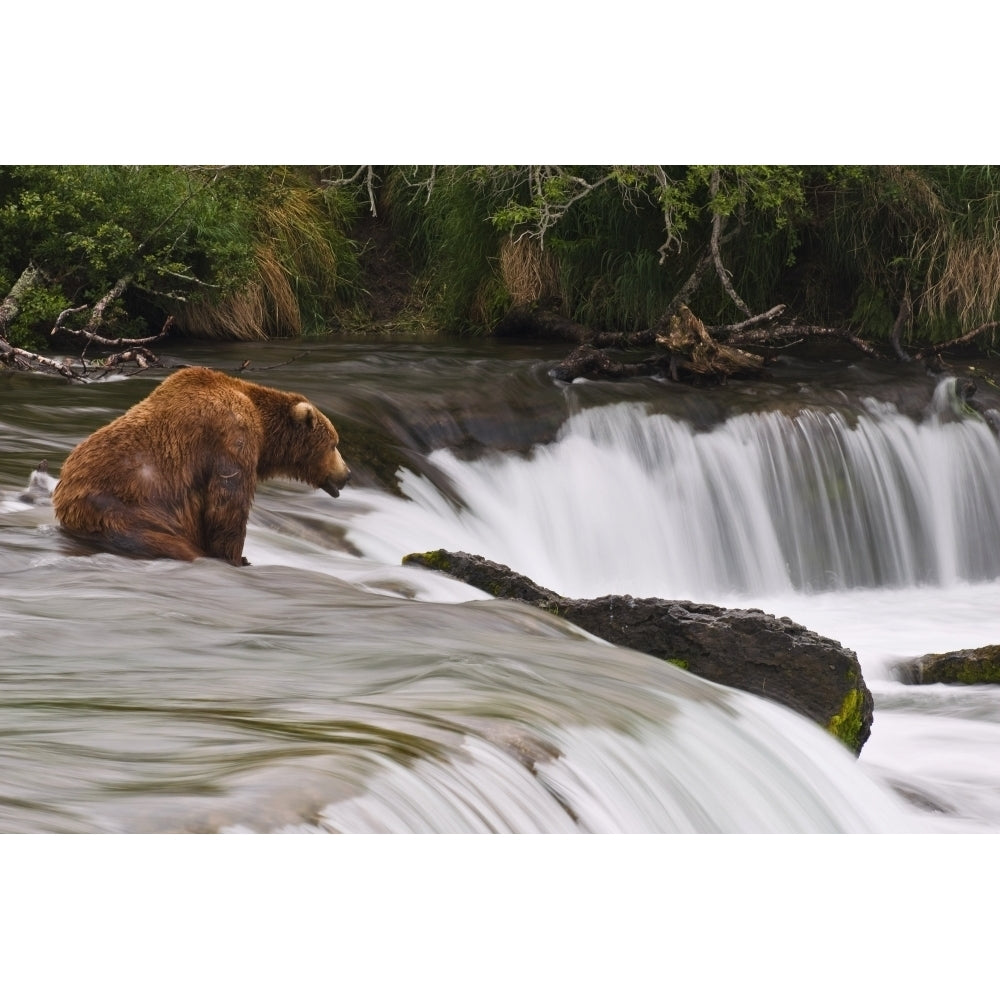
(875, 530)
(328, 688)
(631, 502)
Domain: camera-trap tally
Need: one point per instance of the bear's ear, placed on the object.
(304, 413)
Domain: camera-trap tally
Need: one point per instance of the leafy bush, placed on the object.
(193, 241)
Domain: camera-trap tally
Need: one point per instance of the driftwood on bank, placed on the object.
(685, 349)
(682, 348)
(745, 649)
(134, 353)
(688, 350)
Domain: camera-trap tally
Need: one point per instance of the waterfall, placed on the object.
(328, 687)
(627, 500)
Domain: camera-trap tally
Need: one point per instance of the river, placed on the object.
(328, 688)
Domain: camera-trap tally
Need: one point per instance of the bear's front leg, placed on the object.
(227, 510)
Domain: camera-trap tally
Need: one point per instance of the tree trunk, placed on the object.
(11, 305)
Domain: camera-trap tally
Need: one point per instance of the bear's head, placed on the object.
(314, 455)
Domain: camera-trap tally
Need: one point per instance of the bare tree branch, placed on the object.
(142, 358)
(18, 357)
(60, 323)
(775, 333)
(88, 333)
(718, 224)
(166, 272)
(93, 338)
(746, 324)
(947, 345)
(427, 185)
(672, 244)
(368, 172)
(902, 318)
(97, 313)
(550, 212)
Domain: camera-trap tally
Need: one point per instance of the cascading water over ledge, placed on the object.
(327, 687)
(625, 500)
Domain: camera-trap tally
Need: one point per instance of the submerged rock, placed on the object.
(961, 666)
(745, 649)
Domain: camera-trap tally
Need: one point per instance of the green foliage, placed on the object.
(88, 226)
(841, 245)
(38, 307)
(624, 239)
(185, 237)
(451, 235)
(266, 251)
(872, 310)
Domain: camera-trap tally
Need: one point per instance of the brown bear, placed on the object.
(175, 475)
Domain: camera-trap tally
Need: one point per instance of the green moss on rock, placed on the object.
(848, 723)
(981, 672)
(437, 559)
(963, 666)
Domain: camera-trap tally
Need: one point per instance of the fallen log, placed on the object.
(592, 363)
(692, 349)
(137, 353)
(687, 351)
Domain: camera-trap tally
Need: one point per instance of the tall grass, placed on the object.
(449, 234)
(609, 268)
(303, 228)
(266, 306)
(305, 266)
(880, 234)
(528, 270)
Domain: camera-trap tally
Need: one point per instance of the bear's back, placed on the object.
(159, 453)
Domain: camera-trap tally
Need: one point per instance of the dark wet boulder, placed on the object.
(745, 649)
(961, 666)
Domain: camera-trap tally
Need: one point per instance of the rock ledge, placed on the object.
(745, 649)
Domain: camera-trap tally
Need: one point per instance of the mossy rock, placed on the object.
(746, 649)
(962, 666)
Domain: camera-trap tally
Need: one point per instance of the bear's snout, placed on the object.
(336, 481)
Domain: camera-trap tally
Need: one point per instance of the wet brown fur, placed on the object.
(174, 476)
